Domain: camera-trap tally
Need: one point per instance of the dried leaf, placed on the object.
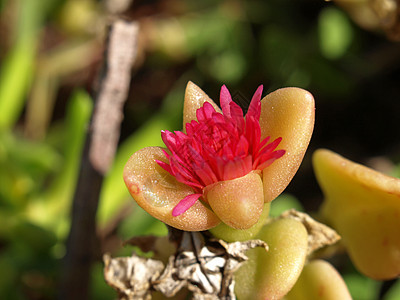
(133, 276)
(319, 235)
(207, 268)
(203, 266)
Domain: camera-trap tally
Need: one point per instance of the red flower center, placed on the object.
(218, 147)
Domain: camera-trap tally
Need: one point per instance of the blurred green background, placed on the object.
(50, 53)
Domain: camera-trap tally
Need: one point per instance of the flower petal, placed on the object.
(254, 109)
(364, 207)
(158, 192)
(185, 204)
(194, 99)
(225, 101)
(204, 112)
(286, 113)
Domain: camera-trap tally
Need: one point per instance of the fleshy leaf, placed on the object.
(229, 234)
(157, 192)
(238, 202)
(194, 99)
(286, 113)
(270, 275)
(364, 207)
(319, 280)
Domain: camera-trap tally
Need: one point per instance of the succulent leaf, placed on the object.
(363, 205)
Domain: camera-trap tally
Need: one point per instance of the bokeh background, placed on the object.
(50, 55)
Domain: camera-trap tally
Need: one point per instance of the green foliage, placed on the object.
(27, 164)
(36, 187)
(361, 287)
(18, 69)
(99, 289)
(335, 33)
(394, 292)
(284, 202)
(141, 223)
(15, 76)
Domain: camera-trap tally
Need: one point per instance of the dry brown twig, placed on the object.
(114, 87)
(319, 235)
(98, 154)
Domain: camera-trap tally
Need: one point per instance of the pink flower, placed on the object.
(225, 166)
(218, 147)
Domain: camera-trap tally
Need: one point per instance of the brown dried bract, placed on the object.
(202, 265)
(319, 235)
(132, 277)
